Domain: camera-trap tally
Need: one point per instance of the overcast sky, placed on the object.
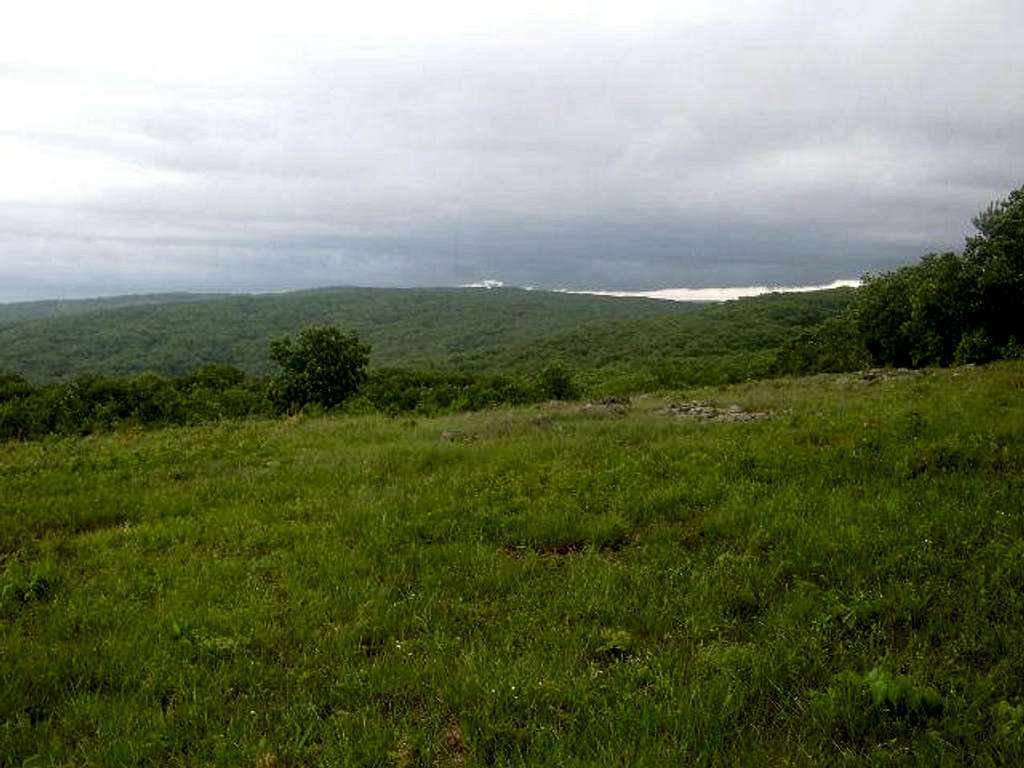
(618, 145)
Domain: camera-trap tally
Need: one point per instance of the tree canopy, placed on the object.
(948, 308)
(324, 366)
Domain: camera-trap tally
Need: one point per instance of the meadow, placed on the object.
(817, 571)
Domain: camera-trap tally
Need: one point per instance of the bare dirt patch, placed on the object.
(519, 551)
(452, 749)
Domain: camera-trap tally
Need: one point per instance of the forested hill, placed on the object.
(507, 330)
(31, 310)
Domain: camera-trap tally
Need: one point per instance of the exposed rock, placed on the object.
(702, 410)
(599, 409)
(877, 375)
(611, 405)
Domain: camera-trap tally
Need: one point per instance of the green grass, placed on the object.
(839, 584)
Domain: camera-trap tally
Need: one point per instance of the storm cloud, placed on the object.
(667, 145)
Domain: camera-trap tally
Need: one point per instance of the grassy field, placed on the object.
(840, 582)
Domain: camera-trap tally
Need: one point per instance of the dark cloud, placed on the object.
(762, 145)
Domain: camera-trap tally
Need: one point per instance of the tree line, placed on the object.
(949, 308)
(324, 368)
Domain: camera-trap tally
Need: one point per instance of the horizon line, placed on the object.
(714, 293)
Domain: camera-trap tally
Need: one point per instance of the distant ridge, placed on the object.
(28, 310)
(502, 330)
(25, 310)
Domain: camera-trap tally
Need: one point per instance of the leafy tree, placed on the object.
(831, 347)
(995, 259)
(917, 315)
(951, 307)
(325, 366)
(882, 315)
(948, 308)
(941, 300)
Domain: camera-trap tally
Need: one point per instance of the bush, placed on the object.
(558, 382)
(835, 346)
(398, 390)
(13, 387)
(975, 347)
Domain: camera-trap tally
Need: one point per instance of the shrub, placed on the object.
(834, 346)
(975, 347)
(13, 387)
(558, 382)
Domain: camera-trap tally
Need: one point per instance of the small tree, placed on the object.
(324, 366)
(558, 382)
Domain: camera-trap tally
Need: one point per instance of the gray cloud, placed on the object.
(781, 146)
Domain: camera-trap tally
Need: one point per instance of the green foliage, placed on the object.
(400, 390)
(613, 347)
(12, 387)
(917, 315)
(32, 310)
(217, 377)
(832, 347)
(873, 707)
(557, 381)
(325, 366)
(954, 307)
(995, 258)
(502, 331)
(1009, 724)
(426, 328)
(948, 308)
(89, 404)
(976, 347)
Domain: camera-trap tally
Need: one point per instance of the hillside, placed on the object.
(14, 312)
(824, 571)
(505, 330)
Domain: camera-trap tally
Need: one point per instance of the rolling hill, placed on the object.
(506, 330)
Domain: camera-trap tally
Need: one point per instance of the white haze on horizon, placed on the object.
(721, 293)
